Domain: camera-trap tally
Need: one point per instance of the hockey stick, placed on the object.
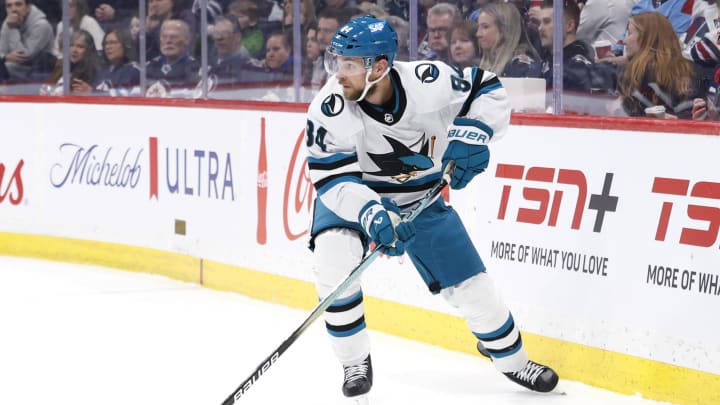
(330, 298)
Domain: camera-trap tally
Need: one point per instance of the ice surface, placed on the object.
(86, 335)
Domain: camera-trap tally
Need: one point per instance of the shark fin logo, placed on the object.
(332, 105)
(427, 72)
(402, 163)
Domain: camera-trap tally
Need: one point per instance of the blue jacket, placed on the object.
(181, 74)
(118, 78)
(523, 66)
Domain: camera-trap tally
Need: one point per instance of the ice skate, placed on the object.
(358, 380)
(535, 377)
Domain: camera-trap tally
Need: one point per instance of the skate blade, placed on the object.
(359, 400)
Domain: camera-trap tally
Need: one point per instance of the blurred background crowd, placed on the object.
(656, 58)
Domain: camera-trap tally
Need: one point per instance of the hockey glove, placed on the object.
(467, 150)
(378, 225)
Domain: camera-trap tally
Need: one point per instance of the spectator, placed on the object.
(476, 8)
(26, 40)
(704, 20)
(120, 73)
(307, 14)
(247, 14)
(312, 53)
(680, 13)
(231, 57)
(113, 14)
(322, 5)
(577, 55)
(604, 20)
(79, 19)
(160, 11)
(329, 21)
(174, 68)
(368, 8)
(312, 47)
(529, 12)
(703, 50)
(506, 49)
(441, 18)
(134, 28)
(277, 64)
(402, 28)
(84, 64)
(656, 73)
(463, 46)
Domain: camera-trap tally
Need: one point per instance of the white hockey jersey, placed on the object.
(359, 152)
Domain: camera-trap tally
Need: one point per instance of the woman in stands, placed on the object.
(506, 49)
(276, 66)
(84, 64)
(120, 73)
(464, 50)
(656, 73)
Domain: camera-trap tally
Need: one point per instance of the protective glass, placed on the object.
(335, 64)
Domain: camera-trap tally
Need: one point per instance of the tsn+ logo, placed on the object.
(549, 200)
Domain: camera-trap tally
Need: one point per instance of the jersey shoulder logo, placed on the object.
(427, 72)
(332, 105)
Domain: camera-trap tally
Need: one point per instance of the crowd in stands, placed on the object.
(658, 58)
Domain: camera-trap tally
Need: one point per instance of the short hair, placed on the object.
(230, 19)
(571, 11)
(286, 38)
(182, 25)
(341, 15)
(445, 9)
(245, 7)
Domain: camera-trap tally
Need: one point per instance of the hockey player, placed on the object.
(379, 135)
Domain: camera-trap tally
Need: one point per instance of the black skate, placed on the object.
(535, 377)
(358, 378)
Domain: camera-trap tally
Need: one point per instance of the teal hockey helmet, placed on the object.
(365, 37)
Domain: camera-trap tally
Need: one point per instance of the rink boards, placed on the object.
(601, 233)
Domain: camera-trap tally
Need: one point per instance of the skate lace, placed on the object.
(356, 372)
(530, 373)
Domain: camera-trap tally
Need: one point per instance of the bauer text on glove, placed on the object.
(467, 138)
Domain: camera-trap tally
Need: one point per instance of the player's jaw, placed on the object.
(353, 86)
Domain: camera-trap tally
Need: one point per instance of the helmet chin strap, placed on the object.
(369, 84)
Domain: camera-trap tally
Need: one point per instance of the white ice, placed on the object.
(86, 335)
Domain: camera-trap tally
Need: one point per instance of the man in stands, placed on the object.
(329, 21)
(231, 57)
(174, 67)
(26, 41)
(578, 56)
(441, 18)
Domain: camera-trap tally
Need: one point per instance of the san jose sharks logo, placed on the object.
(402, 163)
(332, 105)
(427, 72)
